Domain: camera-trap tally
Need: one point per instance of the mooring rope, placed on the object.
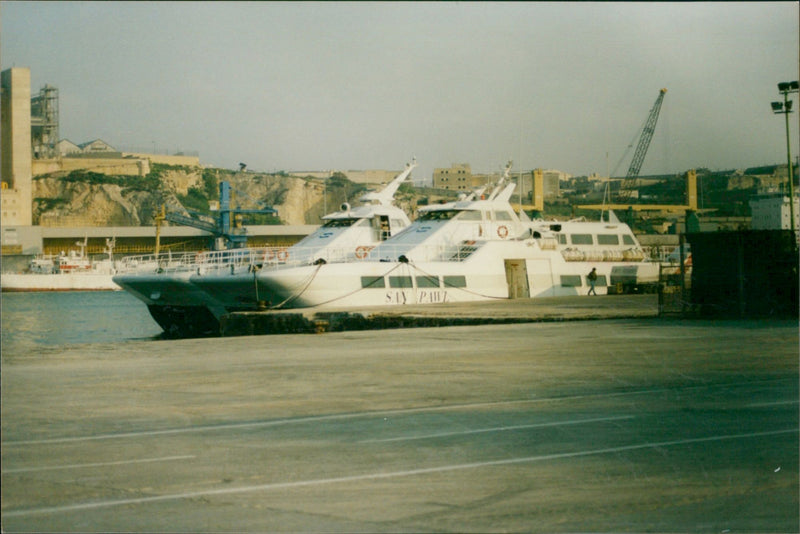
(291, 298)
(456, 287)
(375, 281)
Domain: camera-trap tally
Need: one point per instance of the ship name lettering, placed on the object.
(396, 297)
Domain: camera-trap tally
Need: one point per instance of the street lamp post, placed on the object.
(784, 108)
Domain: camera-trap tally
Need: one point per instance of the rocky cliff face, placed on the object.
(60, 203)
(90, 199)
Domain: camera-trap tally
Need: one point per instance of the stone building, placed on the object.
(457, 178)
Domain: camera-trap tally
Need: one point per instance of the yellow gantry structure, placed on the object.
(691, 197)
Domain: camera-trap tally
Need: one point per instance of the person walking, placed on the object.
(592, 277)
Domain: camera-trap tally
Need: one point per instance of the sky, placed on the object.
(335, 86)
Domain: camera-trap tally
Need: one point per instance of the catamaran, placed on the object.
(346, 235)
(476, 248)
(189, 298)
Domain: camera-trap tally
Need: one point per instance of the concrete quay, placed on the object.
(504, 311)
(619, 425)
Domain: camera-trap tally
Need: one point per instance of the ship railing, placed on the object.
(146, 263)
(632, 254)
(285, 257)
(218, 259)
(425, 253)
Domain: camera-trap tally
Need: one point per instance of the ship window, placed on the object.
(455, 281)
(628, 239)
(438, 215)
(571, 280)
(601, 280)
(340, 223)
(582, 239)
(607, 239)
(503, 216)
(372, 281)
(562, 239)
(427, 281)
(471, 215)
(400, 281)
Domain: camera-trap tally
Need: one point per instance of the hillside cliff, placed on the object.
(92, 199)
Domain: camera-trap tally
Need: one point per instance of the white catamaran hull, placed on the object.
(498, 270)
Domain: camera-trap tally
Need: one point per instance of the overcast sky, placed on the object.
(314, 86)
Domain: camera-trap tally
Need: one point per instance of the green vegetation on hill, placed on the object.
(727, 192)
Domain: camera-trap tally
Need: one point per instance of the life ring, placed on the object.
(282, 254)
(269, 255)
(362, 252)
(502, 231)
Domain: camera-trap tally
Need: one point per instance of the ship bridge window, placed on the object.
(628, 239)
(471, 215)
(582, 239)
(503, 216)
(340, 223)
(439, 215)
(607, 239)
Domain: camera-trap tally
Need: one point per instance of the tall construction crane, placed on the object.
(629, 183)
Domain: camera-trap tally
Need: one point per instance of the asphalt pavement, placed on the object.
(623, 425)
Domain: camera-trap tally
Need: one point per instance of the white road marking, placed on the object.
(360, 415)
(98, 464)
(776, 403)
(499, 429)
(379, 476)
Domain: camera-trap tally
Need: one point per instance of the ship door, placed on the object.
(517, 279)
(385, 228)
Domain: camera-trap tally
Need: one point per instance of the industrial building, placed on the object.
(29, 129)
(15, 132)
(771, 211)
(459, 177)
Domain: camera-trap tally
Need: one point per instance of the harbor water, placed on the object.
(31, 320)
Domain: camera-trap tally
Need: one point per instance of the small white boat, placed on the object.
(68, 271)
(473, 249)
